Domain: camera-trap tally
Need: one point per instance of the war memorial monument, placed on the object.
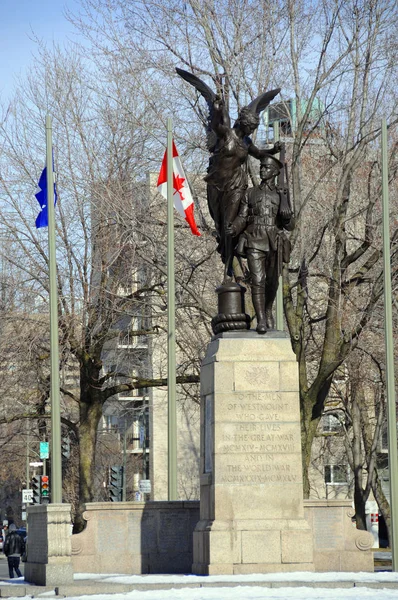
(251, 498)
(252, 517)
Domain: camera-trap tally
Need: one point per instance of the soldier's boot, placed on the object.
(269, 317)
(259, 307)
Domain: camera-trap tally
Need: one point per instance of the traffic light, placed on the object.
(45, 489)
(35, 486)
(65, 447)
(115, 484)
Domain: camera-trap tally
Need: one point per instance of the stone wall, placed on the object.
(136, 537)
(49, 544)
(338, 544)
(156, 537)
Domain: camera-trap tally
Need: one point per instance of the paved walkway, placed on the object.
(100, 584)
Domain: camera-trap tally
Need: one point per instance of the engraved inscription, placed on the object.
(258, 437)
(259, 478)
(328, 530)
(208, 434)
(258, 406)
(258, 411)
(173, 528)
(259, 468)
(256, 448)
(274, 405)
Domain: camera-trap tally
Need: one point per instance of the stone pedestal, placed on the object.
(251, 502)
(49, 551)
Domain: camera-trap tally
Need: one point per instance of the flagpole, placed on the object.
(171, 351)
(279, 292)
(56, 473)
(389, 345)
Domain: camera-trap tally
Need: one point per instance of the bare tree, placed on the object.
(337, 85)
(110, 231)
(108, 111)
(339, 282)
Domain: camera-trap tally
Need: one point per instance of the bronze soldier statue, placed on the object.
(263, 216)
(227, 173)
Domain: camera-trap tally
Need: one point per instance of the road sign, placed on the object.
(145, 486)
(27, 496)
(36, 464)
(142, 436)
(44, 450)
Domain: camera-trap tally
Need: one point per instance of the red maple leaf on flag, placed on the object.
(178, 184)
(184, 204)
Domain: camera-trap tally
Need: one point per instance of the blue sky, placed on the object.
(18, 18)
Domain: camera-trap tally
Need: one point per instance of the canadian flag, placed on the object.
(182, 197)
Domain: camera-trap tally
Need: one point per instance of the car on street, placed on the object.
(22, 532)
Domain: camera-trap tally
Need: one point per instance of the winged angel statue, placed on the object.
(229, 149)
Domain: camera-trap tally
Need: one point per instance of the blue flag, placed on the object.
(41, 195)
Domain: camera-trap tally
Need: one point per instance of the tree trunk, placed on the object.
(90, 415)
(91, 403)
(382, 504)
(360, 495)
(308, 431)
(359, 503)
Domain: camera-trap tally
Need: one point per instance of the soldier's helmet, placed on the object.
(270, 161)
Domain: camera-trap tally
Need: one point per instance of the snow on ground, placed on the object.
(251, 593)
(17, 580)
(242, 592)
(296, 576)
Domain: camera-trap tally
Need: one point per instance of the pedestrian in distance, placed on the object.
(14, 547)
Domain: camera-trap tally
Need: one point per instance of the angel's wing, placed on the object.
(261, 102)
(211, 99)
(202, 87)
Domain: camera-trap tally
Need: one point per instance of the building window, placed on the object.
(111, 423)
(336, 474)
(383, 446)
(330, 423)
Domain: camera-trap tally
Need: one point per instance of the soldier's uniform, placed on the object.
(265, 246)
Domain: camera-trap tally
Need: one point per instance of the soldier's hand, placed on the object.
(286, 214)
(230, 229)
(279, 146)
